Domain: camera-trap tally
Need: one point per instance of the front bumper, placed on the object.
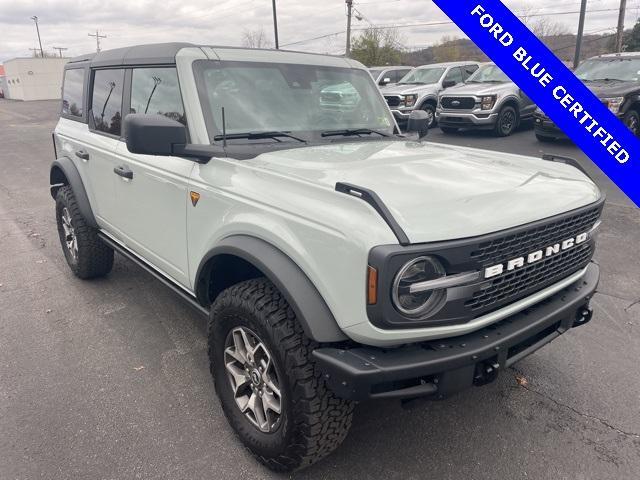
(545, 127)
(462, 119)
(443, 367)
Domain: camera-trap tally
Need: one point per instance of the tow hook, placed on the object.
(583, 315)
(486, 372)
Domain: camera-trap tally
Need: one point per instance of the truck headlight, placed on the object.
(422, 304)
(613, 103)
(487, 102)
(410, 100)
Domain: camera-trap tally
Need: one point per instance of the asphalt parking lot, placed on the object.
(109, 379)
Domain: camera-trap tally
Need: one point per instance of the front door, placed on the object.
(152, 191)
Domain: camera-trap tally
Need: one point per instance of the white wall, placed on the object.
(34, 78)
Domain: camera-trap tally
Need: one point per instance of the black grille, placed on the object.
(526, 241)
(531, 278)
(458, 103)
(393, 101)
(525, 280)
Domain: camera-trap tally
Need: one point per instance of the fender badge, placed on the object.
(195, 196)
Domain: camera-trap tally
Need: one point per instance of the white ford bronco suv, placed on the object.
(337, 260)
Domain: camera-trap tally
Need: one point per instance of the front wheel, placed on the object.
(430, 110)
(265, 377)
(632, 120)
(507, 122)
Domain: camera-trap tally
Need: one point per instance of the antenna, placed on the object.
(224, 130)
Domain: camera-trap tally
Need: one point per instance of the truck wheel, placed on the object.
(632, 120)
(449, 130)
(543, 138)
(264, 375)
(507, 122)
(431, 114)
(87, 256)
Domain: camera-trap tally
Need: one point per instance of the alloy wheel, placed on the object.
(70, 238)
(633, 124)
(507, 121)
(253, 379)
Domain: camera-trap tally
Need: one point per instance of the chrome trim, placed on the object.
(445, 282)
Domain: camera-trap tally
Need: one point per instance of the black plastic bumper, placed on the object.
(443, 367)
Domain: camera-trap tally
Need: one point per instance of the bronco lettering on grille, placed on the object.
(533, 257)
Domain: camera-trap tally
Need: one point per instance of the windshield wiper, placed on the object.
(257, 135)
(411, 83)
(353, 131)
(608, 80)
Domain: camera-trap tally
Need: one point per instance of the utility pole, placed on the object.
(275, 23)
(60, 49)
(98, 37)
(35, 51)
(35, 19)
(349, 9)
(583, 12)
(620, 33)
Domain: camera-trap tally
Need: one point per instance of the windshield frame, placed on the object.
(609, 61)
(312, 137)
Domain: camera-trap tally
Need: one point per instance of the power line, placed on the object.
(60, 49)
(98, 37)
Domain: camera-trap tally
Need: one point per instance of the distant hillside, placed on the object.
(464, 49)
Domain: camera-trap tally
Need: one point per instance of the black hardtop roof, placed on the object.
(152, 54)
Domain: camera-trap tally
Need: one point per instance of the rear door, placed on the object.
(154, 200)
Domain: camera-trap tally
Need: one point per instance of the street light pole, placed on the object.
(35, 19)
(583, 11)
(275, 23)
(348, 47)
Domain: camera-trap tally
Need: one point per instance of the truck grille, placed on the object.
(524, 281)
(393, 100)
(458, 103)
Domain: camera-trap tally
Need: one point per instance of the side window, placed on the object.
(454, 75)
(467, 70)
(73, 92)
(106, 100)
(156, 91)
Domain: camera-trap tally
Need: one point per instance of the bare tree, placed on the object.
(256, 39)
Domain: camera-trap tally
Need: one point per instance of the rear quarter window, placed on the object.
(73, 93)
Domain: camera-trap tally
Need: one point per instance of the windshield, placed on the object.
(624, 69)
(375, 73)
(488, 74)
(303, 100)
(423, 76)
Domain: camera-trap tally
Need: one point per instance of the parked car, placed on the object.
(386, 75)
(489, 100)
(615, 79)
(336, 260)
(419, 89)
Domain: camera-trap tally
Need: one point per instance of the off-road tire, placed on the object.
(94, 258)
(500, 129)
(314, 421)
(449, 130)
(431, 111)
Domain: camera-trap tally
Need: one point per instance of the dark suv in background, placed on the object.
(615, 79)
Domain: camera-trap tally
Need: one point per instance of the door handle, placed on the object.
(82, 154)
(123, 171)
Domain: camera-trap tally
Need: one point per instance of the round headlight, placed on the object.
(418, 305)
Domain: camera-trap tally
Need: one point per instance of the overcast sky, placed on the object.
(66, 23)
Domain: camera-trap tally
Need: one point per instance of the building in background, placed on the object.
(3, 82)
(33, 78)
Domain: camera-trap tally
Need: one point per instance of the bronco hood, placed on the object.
(439, 192)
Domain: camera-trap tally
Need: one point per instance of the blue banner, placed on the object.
(552, 86)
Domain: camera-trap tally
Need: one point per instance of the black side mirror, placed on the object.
(153, 134)
(418, 123)
(448, 83)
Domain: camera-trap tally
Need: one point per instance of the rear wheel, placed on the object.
(86, 255)
(507, 121)
(265, 377)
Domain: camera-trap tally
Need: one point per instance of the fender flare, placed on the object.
(70, 171)
(312, 312)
